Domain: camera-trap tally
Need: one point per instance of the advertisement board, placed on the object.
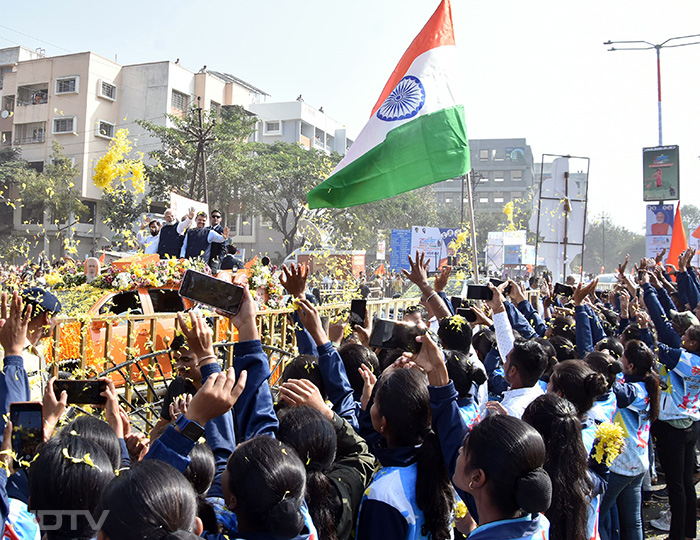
(661, 176)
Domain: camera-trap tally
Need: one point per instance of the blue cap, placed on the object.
(43, 300)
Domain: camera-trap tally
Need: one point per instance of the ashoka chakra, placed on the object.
(407, 98)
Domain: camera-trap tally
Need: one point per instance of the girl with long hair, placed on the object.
(638, 406)
(410, 497)
(567, 465)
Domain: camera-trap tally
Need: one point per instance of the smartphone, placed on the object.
(467, 313)
(81, 392)
(358, 313)
(388, 334)
(479, 292)
(564, 290)
(213, 292)
(27, 419)
(456, 302)
(498, 282)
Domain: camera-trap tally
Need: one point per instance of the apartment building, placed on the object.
(503, 171)
(81, 100)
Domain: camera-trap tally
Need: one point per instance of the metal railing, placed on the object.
(140, 371)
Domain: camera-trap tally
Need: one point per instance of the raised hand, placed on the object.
(660, 256)
(516, 292)
(298, 392)
(199, 338)
(419, 270)
(216, 396)
(623, 266)
(369, 379)
(293, 279)
(13, 334)
(309, 317)
(442, 278)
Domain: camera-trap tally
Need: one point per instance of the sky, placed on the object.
(537, 70)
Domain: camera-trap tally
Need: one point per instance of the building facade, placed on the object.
(503, 171)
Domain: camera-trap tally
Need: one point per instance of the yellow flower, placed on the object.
(460, 509)
(609, 442)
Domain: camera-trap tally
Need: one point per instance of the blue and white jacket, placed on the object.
(529, 527)
(633, 417)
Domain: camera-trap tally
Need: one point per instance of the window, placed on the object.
(484, 200)
(105, 129)
(498, 199)
(483, 178)
(106, 90)
(123, 303)
(70, 160)
(484, 155)
(34, 132)
(498, 176)
(448, 199)
(166, 301)
(516, 176)
(67, 85)
(215, 108)
(179, 101)
(91, 214)
(64, 125)
(273, 128)
(4, 70)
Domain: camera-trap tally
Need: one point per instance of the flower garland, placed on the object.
(263, 282)
(158, 274)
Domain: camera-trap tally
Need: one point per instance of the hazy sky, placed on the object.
(537, 70)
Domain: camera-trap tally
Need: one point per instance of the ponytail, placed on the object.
(638, 354)
(578, 383)
(433, 488)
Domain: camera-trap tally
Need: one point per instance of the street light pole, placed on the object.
(645, 46)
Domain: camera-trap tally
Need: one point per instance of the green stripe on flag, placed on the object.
(430, 149)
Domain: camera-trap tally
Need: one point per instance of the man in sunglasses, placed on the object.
(217, 250)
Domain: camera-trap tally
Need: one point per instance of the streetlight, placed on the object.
(658, 48)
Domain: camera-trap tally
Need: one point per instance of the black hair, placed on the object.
(551, 353)
(612, 345)
(70, 473)
(563, 326)
(215, 210)
(565, 349)
(269, 481)
(530, 359)
(637, 353)
(605, 364)
(455, 333)
(353, 356)
(609, 321)
(150, 501)
(313, 438)
(265, 261)
(178, 342)
(578, 383)
(483, 341)
(631, 331)
(305, 366)
(464, 372)
(231, 249)
(402, 399)
(200, 474)
(386, 357)
(694, 332)
(416, 308)
(511, 455)
(99, 432)
(566, 464)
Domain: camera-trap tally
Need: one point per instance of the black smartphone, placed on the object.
(564, 290)
(81, 392)
(388, 334)
(213, 292)
(479, 292)
(467, 313)
(498, 282)
(27, 419)
(358, 313)
(456, 302)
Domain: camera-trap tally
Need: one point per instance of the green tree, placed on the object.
(691, 218)
(52, 194)
(226, 156)
(275, 182)
(607, 244)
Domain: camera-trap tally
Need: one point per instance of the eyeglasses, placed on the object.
(216, 217)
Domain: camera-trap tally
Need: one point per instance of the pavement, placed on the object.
(653, 509)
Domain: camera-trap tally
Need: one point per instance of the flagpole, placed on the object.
(472, 229)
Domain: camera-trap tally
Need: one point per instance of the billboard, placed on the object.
(661, 177)
(659, 228)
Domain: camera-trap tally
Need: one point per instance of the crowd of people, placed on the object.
(487, 423)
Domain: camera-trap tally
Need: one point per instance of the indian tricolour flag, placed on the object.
(416, 135)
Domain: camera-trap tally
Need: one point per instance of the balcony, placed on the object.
(34, 132)
(34, 94)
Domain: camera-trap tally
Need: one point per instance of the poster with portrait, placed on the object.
(661, 178)
(660, 219)
(429, 240)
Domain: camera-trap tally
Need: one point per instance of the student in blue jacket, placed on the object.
(500, 463)
(410, 497)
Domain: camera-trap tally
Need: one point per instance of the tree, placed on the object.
(691, 218)
(52, 193)
(226, 156)
(277, 178)
(607, 244)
